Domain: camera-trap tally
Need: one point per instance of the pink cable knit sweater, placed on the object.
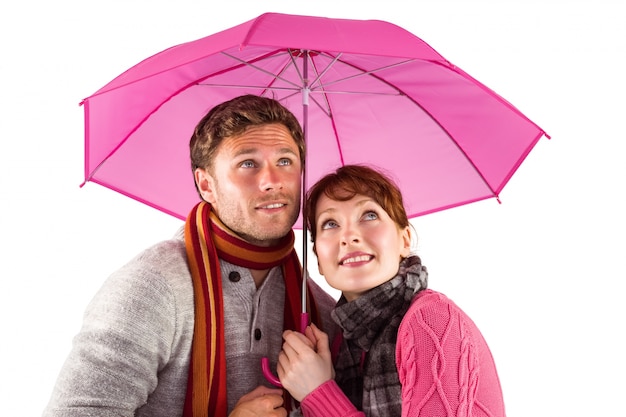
(444, 364)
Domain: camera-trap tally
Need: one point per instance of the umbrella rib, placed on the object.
(363, 72)
(278, 76)
(295, 66)
(328, 109)
(271, 74)
(321, 74)
(296, 88)
(245, 86)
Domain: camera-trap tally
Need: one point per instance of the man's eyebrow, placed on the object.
(252, 151)
(288, 150)
(245, 151)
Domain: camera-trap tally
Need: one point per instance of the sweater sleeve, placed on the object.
(444, 364)
(328, 400)
(126, 338)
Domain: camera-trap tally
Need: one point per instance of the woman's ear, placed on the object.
(405, 251)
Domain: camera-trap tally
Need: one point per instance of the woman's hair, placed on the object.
(232, 118)
(350, 180)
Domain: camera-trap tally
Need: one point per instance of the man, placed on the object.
(181, 329)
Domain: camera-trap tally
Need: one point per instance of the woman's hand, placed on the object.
(305, 362)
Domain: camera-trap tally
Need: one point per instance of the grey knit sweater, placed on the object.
(131, 356)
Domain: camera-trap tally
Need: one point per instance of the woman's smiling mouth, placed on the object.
(351, 259)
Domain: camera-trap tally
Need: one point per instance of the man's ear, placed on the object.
(206, 184)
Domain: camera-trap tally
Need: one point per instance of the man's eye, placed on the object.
(247, 164)
(284, 161)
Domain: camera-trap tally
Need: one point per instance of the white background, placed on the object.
(540, 273)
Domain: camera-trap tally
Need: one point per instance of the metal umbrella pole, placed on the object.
(304, 316)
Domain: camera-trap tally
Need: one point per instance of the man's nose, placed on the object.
(270, 178)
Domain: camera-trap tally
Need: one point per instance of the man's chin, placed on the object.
(283, 221)
(274, 233)
(267, 234)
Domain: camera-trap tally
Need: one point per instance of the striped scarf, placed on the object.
(207, 240)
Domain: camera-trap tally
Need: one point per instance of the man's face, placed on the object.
(254, 185)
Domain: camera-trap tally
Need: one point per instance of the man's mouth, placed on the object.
(272, 206)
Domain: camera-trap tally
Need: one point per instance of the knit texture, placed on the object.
(131, 355)
(445, 363)
(444, 366)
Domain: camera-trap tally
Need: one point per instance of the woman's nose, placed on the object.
(350, 235)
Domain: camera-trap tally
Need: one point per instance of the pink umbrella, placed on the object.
(365, 92)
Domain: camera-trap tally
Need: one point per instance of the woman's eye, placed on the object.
(370, 215)
(329, 224)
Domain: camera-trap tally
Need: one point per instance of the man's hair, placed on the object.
(232, 118)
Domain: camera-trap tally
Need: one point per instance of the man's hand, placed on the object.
(260, 402)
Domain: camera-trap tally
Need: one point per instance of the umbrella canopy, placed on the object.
(366, 91)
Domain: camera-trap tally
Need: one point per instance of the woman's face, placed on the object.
(358, 245)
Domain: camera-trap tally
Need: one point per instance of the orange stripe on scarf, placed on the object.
(207, 240)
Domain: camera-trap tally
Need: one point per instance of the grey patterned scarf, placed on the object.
(366, 363)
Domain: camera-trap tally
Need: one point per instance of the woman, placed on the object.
(405, 350)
